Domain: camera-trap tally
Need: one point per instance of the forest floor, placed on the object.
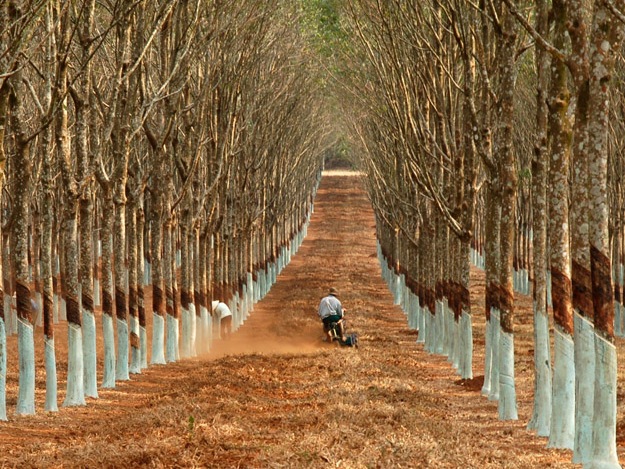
(275, 396)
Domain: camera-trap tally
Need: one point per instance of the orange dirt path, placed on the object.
(275, 396)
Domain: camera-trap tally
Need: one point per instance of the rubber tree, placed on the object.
(75, 395)
(21, 165)
(4, 113)
(563, 421)
(80, 93)
(508, 35)
(606, 36)
(541, 413)
(17, 26)
(47, 225)
(578, 65)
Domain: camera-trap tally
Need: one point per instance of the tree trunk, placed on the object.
(492, 267)
(120, 276)
(563, 415)
(158, 296)
(133, 299)
(21, 165)
(86, 252)
(541, 414)
(86, 279)
(607, 33)
(509, 182)
(75, 372)
(47, 274)
(141, 283)
(199, 272)
(169, 259)
(108, 331)
(4, 112)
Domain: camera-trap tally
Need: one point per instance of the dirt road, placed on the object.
(275, 396)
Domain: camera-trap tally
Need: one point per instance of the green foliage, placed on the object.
(321, 22)
(339, 155)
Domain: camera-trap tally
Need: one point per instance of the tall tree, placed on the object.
(606, 37)
(541, 415)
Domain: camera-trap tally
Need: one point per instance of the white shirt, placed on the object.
(222, 311)
(330, 306)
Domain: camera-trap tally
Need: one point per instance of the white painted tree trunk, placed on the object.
(429, 320)
(439, 327)
(14, 327)
(397, 289)
(449, 345)
(604, 422)
(250, 292)
(3, 371)
(8, 314)
(465, 363)
(192, 330)
(158, 340)
(563, 414)
(200, 339)
(584, 356)
(199, 333)
(26, 351)
(619, 317)
(173, 331)
(455, 347)
(421, 323)
(143, 337)
(274, 271)
(541, 419)
(185, 332)
(75, 373)
(495, 351)
(413, 322)
(108, 335)
(262, 289)
(507, 390)
(89, 354)
(618, 332)
(147, 273)
(121, 368)
(51, 382)
(207, 330)
(488, 355)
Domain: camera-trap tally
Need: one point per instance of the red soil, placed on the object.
(274, 395)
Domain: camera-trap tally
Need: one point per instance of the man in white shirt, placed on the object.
(223, 313)
(331, 310)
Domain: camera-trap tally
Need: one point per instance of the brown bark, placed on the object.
(560, 131)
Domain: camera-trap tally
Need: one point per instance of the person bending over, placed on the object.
(223, 313)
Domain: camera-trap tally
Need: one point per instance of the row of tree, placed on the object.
(165, 145)
(496, 125)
